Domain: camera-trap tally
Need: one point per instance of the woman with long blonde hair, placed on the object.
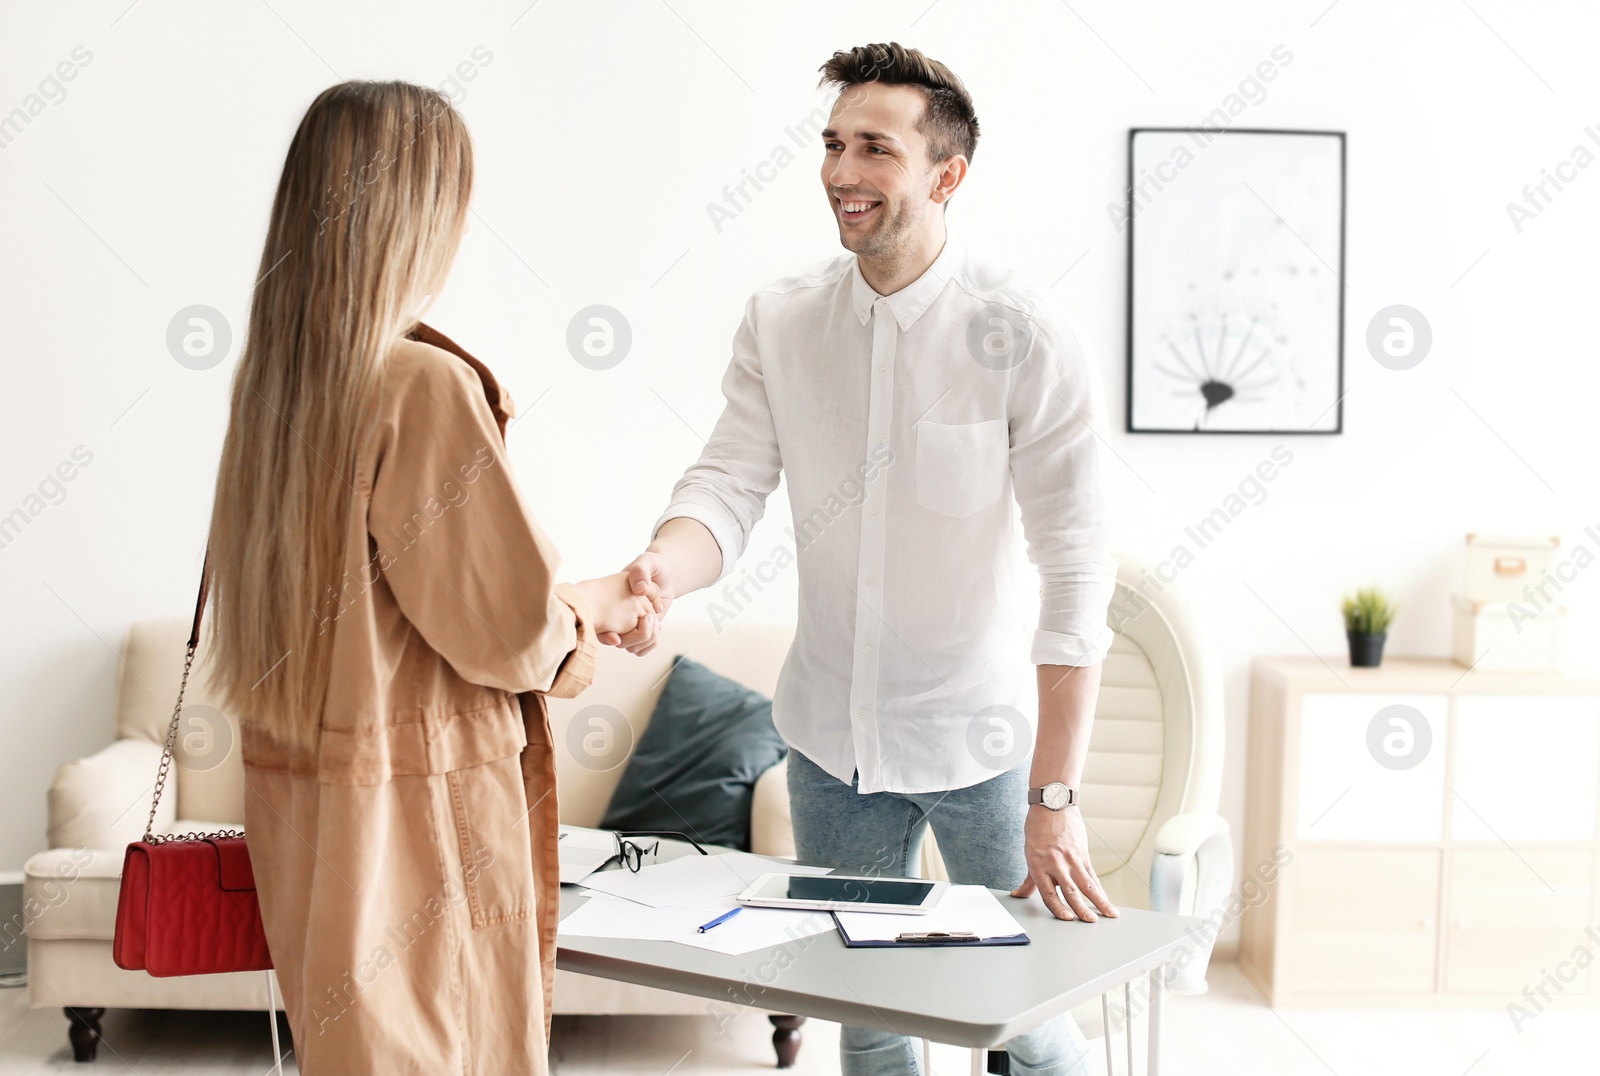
(385, 622)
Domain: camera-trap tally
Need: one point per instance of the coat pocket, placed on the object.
(490, 810)
(961, 468)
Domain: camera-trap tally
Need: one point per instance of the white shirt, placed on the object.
(905, 424)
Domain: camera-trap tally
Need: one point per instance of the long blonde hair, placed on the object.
(365, 224)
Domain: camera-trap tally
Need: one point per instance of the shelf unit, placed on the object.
(1444, 829)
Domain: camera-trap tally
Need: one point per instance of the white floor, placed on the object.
(1226, 1031)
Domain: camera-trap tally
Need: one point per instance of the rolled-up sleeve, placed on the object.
(1057, 420)
(467, 564)
(726, 489)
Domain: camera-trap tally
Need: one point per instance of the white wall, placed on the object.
(604, 129)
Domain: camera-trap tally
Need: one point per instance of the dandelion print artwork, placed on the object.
(1236, 264)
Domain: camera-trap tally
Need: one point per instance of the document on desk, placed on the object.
(603, 916)
(964, 909)
(584, 851)
(690, 879)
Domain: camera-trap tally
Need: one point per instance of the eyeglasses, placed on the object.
(632, 853)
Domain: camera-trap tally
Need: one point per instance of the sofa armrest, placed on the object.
(102, 801)
(771, 830)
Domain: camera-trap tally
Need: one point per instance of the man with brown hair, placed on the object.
(908, 390)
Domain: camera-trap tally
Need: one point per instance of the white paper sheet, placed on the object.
(690, 879)
(612, 917)
(963, 908)
(605, 916)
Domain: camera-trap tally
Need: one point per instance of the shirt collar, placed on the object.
(909, 302)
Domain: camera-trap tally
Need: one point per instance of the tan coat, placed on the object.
(407, 866)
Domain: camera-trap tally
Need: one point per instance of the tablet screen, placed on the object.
(904, 891)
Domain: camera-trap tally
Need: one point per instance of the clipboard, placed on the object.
(967, 915)
(927, 939)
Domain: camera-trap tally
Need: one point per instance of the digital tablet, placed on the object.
(844, 893)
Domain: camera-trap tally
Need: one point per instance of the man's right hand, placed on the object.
(649, 571)
(683, 558)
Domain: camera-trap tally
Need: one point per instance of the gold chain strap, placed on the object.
(167, 751)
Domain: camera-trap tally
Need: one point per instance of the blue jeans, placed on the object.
(979, 830)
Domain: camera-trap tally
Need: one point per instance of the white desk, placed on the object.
(976, 997)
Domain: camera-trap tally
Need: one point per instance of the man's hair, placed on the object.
(949, 122)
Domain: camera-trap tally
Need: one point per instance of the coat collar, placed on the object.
(499, 399)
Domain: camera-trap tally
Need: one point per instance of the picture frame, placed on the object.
(1236, 267)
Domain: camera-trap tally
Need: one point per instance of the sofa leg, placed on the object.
(786, 1038)
(84, 1032)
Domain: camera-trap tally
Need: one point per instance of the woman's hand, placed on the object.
(650, 573)
(616, 609)
(683, 558)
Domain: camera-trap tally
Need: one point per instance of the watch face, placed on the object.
(1057, 795)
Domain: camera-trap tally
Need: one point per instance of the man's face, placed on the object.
(876, 170)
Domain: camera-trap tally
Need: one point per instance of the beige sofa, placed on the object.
(1150, 798)
(99, 804)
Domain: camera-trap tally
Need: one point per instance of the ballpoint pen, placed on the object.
(719, 920)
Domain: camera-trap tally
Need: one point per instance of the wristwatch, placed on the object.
(1054, 796)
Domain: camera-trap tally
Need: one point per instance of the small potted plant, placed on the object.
(1367, 617)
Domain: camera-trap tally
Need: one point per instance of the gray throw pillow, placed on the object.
(696, 765)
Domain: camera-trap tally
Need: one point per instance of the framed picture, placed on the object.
(1235, 281)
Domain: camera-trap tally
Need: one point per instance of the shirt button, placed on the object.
(873, 509)
(871, 579)
(861, 713)
(880, 368)
(866, 649)
(880, 438)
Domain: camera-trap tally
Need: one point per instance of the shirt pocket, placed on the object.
(489, 805)
(961, 467)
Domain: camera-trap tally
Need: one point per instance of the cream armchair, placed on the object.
(1150, 797)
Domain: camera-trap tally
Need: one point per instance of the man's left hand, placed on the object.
(1059, 868)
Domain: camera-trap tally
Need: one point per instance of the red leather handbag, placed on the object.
(188, 904)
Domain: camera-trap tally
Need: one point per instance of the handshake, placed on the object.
(627, 607)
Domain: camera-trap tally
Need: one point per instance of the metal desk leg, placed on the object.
(1158, 986)
(1105, 1027)
(980, 1063)
(1127, 1019)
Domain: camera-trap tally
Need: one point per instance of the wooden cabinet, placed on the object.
(1364, 920)
(1441, 830)
(1514, 914)
(1343, 795)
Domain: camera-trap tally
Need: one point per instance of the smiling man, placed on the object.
(930, 387)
